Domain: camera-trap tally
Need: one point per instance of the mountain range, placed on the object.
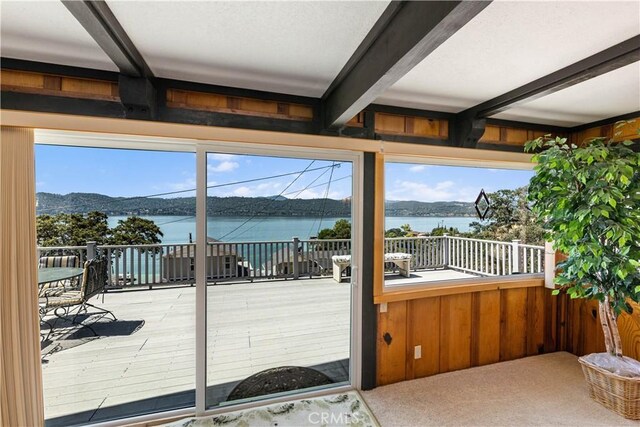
(49, 203)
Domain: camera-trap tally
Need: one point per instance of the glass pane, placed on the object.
(279, 313)
(117, 311)
(452, 222)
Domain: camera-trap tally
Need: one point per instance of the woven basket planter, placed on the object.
(620, 394)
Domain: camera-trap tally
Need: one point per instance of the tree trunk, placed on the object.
(604, 322)
(609, 323)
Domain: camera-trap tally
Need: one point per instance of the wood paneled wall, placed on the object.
(503, 135)
(618, 133)
(394, 124)
(70, 87)
(584, 334)
(463, 330)
(177, 98)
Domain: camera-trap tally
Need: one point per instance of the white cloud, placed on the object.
(224, 166)
(220, 156)
(243, 192)
(418, 168)
(441, 191)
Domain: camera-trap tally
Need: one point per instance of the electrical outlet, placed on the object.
(417, 352)
(383, 307)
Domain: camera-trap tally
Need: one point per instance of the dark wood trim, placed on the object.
(369, 309)
(210, 118)
(602, 62)
(55, 69)
(102, 25)
(411, 139)
(402, 111)
(410, 31)
(610, 120)
(165, 84)
(61, 104)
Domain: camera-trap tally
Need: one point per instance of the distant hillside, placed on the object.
(49, 203)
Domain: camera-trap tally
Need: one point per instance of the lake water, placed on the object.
(176, 229)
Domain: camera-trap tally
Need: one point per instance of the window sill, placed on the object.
(451, 287)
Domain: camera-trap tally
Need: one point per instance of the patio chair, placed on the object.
(54, 288)
(76, 300)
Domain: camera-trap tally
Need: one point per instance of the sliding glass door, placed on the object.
(278, 261)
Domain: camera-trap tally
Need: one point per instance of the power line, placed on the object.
(251, 201)
(122, 199)
(279, 195)
(297, 194)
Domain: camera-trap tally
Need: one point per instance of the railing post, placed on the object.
(91, 251)
(296, 259)
(445, 243)
(515, 248)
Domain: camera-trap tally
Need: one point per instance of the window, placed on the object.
(458, 223)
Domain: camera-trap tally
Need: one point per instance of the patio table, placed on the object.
(56, 274)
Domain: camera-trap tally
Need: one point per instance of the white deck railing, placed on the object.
(152, 265)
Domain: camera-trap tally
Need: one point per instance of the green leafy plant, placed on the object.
(588, 200)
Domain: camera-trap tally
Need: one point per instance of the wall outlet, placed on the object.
(417, 352)
(383, 307)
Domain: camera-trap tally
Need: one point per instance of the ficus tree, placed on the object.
(588, 199)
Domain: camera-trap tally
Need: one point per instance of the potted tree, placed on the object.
(588, 199)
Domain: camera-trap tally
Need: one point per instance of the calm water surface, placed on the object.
(176, 229)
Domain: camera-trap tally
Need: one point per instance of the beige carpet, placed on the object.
(542, 390)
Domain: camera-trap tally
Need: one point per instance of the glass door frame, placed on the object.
(355, 357)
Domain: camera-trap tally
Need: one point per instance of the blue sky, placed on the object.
(128, 173)
(430, 183)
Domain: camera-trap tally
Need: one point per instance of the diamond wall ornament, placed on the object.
(482, 205)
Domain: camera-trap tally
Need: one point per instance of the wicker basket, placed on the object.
(620, 394)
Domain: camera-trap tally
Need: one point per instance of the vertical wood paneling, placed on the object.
(513, 328)
(391, 366)
(468, 329)
(535, 320)
(486, 341)
(455, 332)
(423, 328)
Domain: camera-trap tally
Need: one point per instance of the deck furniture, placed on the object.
(74, 301)
(55, 262)
(401, 260)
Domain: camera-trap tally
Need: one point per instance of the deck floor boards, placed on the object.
(251, 327)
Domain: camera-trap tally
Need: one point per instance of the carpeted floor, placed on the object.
(543, 390)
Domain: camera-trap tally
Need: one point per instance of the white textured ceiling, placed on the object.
(47, 32)
(602, 97)
(295, 47)
(508, 45)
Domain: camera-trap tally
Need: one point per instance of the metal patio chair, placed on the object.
(75, 301)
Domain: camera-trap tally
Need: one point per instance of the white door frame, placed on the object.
(355, 357)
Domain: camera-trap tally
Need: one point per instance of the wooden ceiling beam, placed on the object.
(406, 33)
(136, 82)
(603, 62)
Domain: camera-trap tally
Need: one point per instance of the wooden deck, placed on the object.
(251, 327)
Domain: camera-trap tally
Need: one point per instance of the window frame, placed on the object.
(384, 293)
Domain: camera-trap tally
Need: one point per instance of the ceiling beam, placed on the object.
(136, 82)
(406, 33)
(608, 60)
(101, 24)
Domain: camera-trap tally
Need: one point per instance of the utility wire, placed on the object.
(116, 200)
(324, 204)
(297, 194)
(251, 201)
(279, 195)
